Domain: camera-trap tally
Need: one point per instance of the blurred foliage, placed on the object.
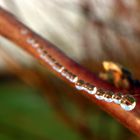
(25, 115)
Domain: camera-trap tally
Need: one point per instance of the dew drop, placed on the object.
(24, 31)
(108, 96)
(35, 45)
(100, 94)
(30, 41)
(68, 75)
(86, 86)
(93, 90)
(43, 54)
(64, 72)
(128, 102)
(90, 88)
(73, 78)
(40, 50)
(58, 67)
(79, 84)
(49, 60)
(117, 98)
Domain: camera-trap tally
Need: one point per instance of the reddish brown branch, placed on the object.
(11, 28)
(46, 85)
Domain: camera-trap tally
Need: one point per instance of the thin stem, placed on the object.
(18, 33)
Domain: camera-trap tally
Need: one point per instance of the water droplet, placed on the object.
(64, 72)
(128, 102)
(117, 98)
(40, 50)
(108, 96)
(43, 54)
(49, 59)
(30, 41)
(35, 45)
(79, 84)
(100, 94)
(89, 88)
(86, 86)
(93, 90)
(68, 75)
(58, 67)
(73, 78)
(24, 31)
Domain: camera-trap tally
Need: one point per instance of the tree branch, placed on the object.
(21, 35)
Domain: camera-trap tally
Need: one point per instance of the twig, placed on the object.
(36, 79)
(18, 33)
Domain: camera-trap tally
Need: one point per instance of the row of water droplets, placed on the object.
(127, 102)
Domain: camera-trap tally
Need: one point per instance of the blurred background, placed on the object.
(34, 103)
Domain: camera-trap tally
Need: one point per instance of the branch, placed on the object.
(45, 84)
(21, 35)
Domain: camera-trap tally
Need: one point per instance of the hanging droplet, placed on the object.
(58, 67)
(85, 86)
(33, 42)
(79, 84)
(30, 41)
(64, 72)
(108, 96)
(92, 90)
(100, 94)
(35, 45)
(128, 102)
(117, 98)
(49, 59)
(73, 78)
(68, 74)
(43, 54)
(24, 31)
(40, 50)
(52, 61)
(89, 88)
